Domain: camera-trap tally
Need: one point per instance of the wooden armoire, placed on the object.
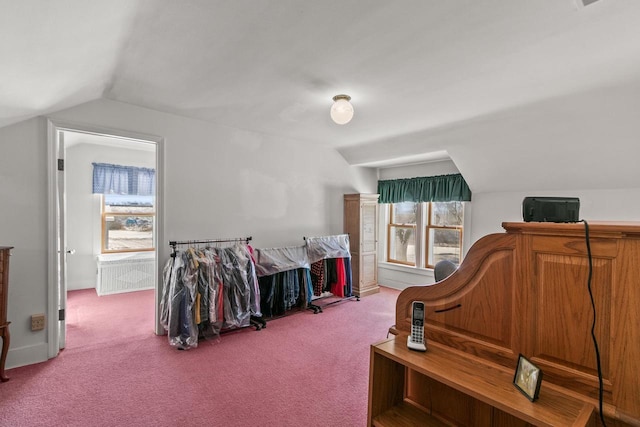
(361, 224)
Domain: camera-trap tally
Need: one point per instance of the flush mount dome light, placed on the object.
(341, 110)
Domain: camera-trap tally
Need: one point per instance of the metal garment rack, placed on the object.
(174, 243)
(256, 321)
(318, 308)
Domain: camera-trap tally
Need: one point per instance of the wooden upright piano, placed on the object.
(525, 291)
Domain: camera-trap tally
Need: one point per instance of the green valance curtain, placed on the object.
(441, 188)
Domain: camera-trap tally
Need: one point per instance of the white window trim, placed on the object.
(419, 268)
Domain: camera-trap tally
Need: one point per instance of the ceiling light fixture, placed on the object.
(341, 110)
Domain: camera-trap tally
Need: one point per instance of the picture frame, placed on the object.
(527, 378)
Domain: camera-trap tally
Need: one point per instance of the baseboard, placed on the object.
(126, 291)
(367, 292)
(394, 284)
(27, 355)
(80, 285)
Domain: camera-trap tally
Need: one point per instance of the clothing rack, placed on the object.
(318, 308)
(256, 321)
(284, 278)
(174, 243)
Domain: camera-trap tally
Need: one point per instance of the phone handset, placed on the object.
(416, 341)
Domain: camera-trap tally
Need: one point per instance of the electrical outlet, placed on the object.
(37, 322)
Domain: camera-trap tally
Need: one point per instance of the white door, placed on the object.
(62, 248)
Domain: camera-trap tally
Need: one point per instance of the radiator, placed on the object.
(119, 273)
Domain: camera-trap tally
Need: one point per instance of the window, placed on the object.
(127, 223)
(421, 234)
(444, 232)
(425, 218)
(402, 233)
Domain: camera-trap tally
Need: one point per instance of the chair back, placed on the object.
(444, 269)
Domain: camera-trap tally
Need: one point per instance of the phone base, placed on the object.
(416, 345)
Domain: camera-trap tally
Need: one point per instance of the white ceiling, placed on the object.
(415, 69)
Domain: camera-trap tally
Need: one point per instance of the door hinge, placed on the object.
(61, 314)
(61, 164)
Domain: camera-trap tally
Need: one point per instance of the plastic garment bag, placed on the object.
(178, 297)
(237, 301)
(216, 291)
(208, 298)
(325, 247)
(276, 260)
(167, 278)
(254, 286)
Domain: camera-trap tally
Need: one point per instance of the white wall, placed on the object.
(83, 207)
(490, 210)
(220, 182)
(23, 224)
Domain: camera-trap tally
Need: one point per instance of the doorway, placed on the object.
(78, 223)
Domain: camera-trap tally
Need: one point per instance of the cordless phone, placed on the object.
(415, 341)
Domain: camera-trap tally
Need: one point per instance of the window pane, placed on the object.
(129, 204)
(404, 213)
(444, 244)
(446, 214)
(402, 247)
(128, 232)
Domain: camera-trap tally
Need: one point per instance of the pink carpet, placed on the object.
(302, 370)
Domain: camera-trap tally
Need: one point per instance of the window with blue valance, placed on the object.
(118, 179)
(441, 188)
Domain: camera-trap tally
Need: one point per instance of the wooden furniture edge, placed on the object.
(609, 229)
(586, 409)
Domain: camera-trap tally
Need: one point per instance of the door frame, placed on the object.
(54, 127)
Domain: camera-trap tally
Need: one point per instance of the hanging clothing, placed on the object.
(348, 292)
(317, 277)
(283, 291)
(337, 288)
(332, 275)
(306, 287)
(331, 281)
(207, 290)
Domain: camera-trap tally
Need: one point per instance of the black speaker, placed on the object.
(551, 209)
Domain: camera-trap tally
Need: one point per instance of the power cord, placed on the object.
(593, 325)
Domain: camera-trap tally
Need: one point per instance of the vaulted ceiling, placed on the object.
(428, 78)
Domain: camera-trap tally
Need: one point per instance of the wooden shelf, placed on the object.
(406, 415)
(476, 379)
